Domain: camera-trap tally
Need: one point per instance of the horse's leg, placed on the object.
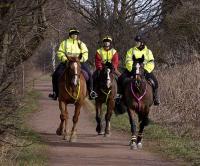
(110, 109)
(143, 121)
(99, 118)
(75, 120)
(63, 118)
(65, 122)
(133, 140)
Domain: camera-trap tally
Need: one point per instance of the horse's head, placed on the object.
(74, 70)
(106, 75)
(138, 70)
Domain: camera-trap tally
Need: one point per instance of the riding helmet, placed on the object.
(73, 31)
(107, 39)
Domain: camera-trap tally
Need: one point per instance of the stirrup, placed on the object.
(93, 94)
(118, 98)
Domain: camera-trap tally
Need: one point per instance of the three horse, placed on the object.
(138, 96)
(106, 90)
(72, 90)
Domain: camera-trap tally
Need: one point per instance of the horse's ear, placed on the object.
(133, 58)
(141, 59)
(80, 56)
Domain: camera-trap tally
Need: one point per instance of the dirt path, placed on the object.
(89, 149)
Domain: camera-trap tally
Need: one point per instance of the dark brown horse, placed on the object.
(138, 98)
(106, 90)
(72, 90)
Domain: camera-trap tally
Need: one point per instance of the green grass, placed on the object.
(164, 141)
(35, 153)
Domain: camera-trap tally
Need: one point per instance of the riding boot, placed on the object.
(156, 98)
(119, 91)
(92, 93)
(54, 95)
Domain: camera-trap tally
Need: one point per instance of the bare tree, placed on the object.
(119, 18)
(22, 25)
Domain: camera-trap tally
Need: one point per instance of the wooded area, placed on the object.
(171, 28)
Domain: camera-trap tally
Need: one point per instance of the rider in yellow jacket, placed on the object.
(138, 51)
(76, 48)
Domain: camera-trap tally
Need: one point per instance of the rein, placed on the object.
(138, 99)
(107, 94)
(78, 93)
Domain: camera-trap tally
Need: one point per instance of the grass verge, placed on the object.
(164, 141)
(29, 150)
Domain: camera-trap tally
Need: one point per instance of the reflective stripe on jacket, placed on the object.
(102, 56)
(106, 55)
(72, 47)
(148, 58)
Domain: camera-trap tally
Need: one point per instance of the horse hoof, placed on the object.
(72, 140)
(59, 132)
(139, 145)
(133, 146)
(101, 133)
(64, 137)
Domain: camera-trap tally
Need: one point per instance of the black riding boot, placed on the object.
(156, 98)
(54, 95)
(92, 94)
(55, 80)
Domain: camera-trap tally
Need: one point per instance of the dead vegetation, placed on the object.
(180, 95)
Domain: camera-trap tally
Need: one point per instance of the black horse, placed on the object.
(106, 88)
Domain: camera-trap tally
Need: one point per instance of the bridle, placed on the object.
(136, 83)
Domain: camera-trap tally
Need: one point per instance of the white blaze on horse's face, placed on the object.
(137, 68)
(108, 78)
(75, 81)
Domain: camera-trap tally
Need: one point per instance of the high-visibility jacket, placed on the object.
(71, 47)
(102, 56)
(148, 58)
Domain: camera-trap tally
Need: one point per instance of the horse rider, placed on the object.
(138, 51)
(71, 47)
(105, 54)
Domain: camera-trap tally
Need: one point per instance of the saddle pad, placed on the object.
(85, 74)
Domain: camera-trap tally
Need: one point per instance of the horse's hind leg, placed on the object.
(143, 121)
(133, 140)
(75, 120)
(99, 118)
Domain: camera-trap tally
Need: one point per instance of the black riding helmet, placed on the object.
(107, 39)
(138, 38)
(73, 31)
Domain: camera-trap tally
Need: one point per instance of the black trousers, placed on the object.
(60, 70)
(85, 67)
(56, 75)
(127, 74)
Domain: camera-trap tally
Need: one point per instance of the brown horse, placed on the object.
(72, 90)
(138, 98)
(106, 90)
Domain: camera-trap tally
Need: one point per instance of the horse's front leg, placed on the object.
(110, 109)
(143, 121)
(98, 106)
(75, 120)
(133, 141)
(63, 118)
